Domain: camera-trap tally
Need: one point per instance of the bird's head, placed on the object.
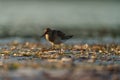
(47, 30)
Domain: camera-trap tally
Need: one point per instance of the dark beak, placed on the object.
(43, 34)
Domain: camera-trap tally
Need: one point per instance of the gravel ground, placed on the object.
(30, 60)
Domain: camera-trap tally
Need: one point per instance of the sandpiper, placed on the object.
(55, 37)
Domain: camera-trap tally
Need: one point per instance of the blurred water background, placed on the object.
(89, 18)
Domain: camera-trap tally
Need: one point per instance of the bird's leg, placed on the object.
(53, 46)
(60, 50)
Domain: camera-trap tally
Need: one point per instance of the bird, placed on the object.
(55, 37)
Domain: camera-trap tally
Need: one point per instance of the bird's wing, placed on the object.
(60, 33)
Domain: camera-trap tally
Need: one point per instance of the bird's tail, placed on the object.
(68, 37)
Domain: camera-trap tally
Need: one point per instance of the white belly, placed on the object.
(47, 37)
